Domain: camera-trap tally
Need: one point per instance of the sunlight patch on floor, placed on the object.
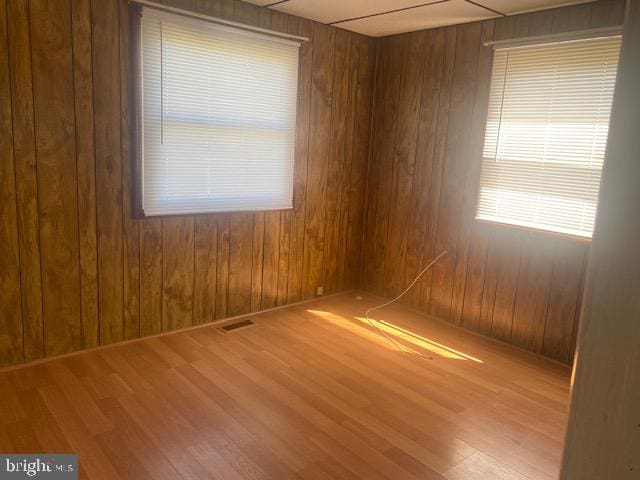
(432, 342)
(353, 328)
(397, 332)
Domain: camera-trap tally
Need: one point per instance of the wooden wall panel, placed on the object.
(86, 166)
(435, 182)
(470, 194)
(273, 236)
(257, 262)
(270, 259)
(11, 324)
(373, 167)
(240, 262)
(77, 268)
(531, 302)
(452, 182)
(319, 142)
(564, 300)
(130, 227)
(520, 287)
(222, 271)
(26, 177)
(413, 65)
(177, 272)
(296, 220)
(107, 111)
(150, 276)
(425, 148)
(360, 155)
(290, 218)
(340, 241)
(204, 273)
(337, 159)
(54, 114)
(390, 55)
(282, 222)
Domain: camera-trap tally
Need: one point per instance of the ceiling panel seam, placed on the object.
(478, 4)
(276, 3)
(388, 12)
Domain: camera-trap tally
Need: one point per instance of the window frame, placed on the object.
(595, 33)
(136, 106)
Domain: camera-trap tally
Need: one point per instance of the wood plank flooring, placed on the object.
(309, 392)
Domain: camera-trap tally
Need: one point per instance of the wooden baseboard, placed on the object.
(215, 323)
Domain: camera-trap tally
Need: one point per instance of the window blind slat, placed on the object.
(219, 109)
(546, 134)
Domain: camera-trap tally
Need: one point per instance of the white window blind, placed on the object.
(546, 134)
(218, 117)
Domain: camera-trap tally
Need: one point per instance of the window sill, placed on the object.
(533, 231)
(140, 214)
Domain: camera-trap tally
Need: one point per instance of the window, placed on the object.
(546, 134)
(218, 107)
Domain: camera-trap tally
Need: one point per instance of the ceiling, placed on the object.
(378, 18)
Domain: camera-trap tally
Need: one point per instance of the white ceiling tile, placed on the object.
(429, 16)
(510, 7)
(328, 11)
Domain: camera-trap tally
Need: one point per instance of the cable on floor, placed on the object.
(372, 322)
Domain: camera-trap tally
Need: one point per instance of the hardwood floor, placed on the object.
(309, 391)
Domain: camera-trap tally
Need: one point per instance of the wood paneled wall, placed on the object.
(430, 104)
(76, 269)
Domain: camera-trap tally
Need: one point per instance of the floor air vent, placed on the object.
(235, 326)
